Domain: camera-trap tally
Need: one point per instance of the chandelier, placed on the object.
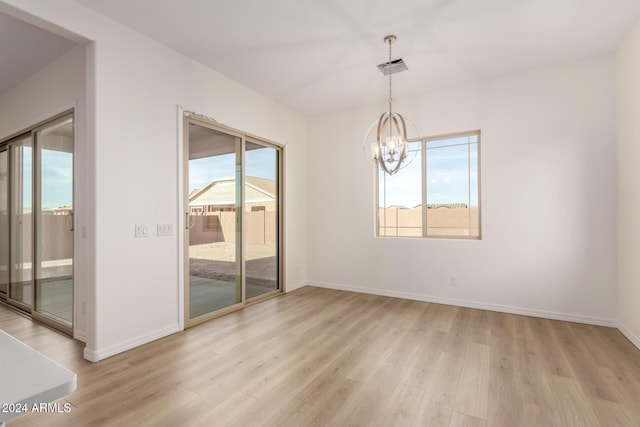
(389, 149)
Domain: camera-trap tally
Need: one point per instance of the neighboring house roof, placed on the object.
(446, 205)
(222, 191)
(267, 186)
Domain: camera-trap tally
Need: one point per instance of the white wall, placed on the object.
(133, 96)
(548, 198)
(628, 127)
(56, 88)
(139, 84)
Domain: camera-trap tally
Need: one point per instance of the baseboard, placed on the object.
(577, 318)
(635, 340)
(99, 354)
(296, 286)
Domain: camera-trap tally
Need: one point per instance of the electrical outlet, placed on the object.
(453, 281)
(84, 307)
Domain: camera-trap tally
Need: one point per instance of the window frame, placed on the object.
(423, 168)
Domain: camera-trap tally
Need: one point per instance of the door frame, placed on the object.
(186, 117)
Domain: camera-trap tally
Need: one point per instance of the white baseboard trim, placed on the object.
(99, 354)
(578, 318)
(295, 286)
(635, 340)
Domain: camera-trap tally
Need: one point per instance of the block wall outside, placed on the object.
(440, 221)
(220, 227)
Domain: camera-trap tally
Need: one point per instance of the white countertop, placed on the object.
(28, 377)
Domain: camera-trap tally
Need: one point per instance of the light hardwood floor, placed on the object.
(331, 358)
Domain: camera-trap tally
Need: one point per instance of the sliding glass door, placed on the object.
(232, 220)
(54, 221)
(36, 222)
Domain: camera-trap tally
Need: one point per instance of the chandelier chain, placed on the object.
(389, 64)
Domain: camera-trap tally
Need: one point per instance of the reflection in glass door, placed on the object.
(261, 219)
(214, 220)
(54, 221)
(4, 221)
(21, 221)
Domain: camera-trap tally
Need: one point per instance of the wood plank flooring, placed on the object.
(331, 358)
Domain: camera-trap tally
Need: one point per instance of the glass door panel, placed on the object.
(261, 219)
(54, 222)
(21, 221)
(4, 221)
(214, 220)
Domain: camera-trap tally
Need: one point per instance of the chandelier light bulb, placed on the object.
(391, 144)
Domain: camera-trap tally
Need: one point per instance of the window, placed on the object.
(437, 194)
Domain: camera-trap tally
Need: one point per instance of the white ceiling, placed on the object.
(25, 49)
(316, 56)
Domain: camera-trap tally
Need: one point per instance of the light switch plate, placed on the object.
(165, 230)
(142, 231)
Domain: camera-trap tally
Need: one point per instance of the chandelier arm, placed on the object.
(402, 128)
(382, 121)
(383, 165)
(398, 122)
(395, 169)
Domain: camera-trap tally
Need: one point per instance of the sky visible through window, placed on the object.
(452, 166)
(259, 163)
(57, 179)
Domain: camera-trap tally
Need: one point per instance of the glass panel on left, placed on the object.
(214, 220)
(54, 222)
(21, 220)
